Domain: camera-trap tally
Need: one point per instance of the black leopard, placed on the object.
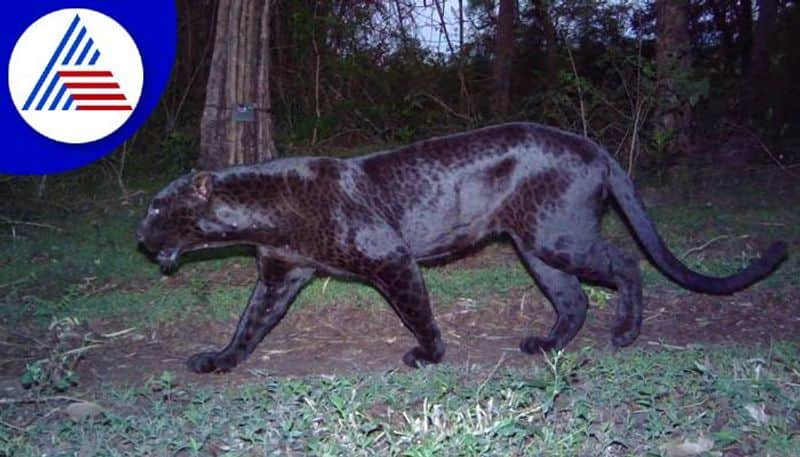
(375, 218)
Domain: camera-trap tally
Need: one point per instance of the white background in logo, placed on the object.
(35, 48)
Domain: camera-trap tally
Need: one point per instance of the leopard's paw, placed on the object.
(534, 345)
(207, 362)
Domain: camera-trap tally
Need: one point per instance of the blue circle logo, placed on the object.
(81, 80)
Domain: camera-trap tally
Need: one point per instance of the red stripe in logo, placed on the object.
(84, 74)
(92, 85)
(99, 96)
(103, 108)
(94, 79)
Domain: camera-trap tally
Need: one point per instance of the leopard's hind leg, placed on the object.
(564, 236)
(565, 293)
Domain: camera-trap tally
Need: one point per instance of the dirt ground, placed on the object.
(345, 339)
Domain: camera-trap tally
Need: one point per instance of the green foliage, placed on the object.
(743, 399)
(180, 151)
(56, 372)
(660, 143)
(598, 296)
(38, 376)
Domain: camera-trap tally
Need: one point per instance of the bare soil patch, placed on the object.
(345, 339)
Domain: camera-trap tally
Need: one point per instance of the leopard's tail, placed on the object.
(620, 185)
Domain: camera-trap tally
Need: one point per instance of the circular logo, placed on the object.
(75, 75)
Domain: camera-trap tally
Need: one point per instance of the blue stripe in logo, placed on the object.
(50, 64)
(74, 46)
(95, 57)
(85, 51)
(58, 97)
(47, 92)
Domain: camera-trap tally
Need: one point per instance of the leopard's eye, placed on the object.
(154, 211)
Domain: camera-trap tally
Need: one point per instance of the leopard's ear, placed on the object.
(203, 184)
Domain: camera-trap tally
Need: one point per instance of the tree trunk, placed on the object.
(759, 66)
(236, 127)
(503, 53)
(745, 41)
(542, 12)
(720, 9)
(673, 65)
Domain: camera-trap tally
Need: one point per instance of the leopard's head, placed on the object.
(174, 222)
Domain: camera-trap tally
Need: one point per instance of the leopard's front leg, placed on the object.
(275, 290)
(399, 280)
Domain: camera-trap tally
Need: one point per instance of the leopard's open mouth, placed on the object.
(168, 259)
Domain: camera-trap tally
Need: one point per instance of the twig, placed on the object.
(459, 59)
(769, 153)
(12, 426)
(443, 25)
(173, 115)
(7, 221)
(40, 418)
(444, 105)
(491, 373)
(317, 110)
(130, 195)
(118, 333)
(704, 245)
(654, 316)
(580, 91)
(785, 168)
(639, 105)
(403, 32)
(76, 350)
(14, 283)
(668, 346)
(16, 401)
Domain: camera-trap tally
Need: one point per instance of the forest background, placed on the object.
(661, 84)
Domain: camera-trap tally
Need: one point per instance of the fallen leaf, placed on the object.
(81, 410)
(687, 448)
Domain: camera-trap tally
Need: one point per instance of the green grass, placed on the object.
(633, 402)
(160, 302)
(100, 246)
(637, 402)
(687, 227)
(45, 273)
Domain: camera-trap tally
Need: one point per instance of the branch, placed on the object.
(444, 105)
(7, 221)
(580, 91)
(439, 10)
(704, 245)
(16, 401)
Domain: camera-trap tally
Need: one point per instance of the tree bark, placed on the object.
(503, 54)
(238, 79)
(673, 65)
(760, 58)
(720, 10)
(542, 12)
(745, 41)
